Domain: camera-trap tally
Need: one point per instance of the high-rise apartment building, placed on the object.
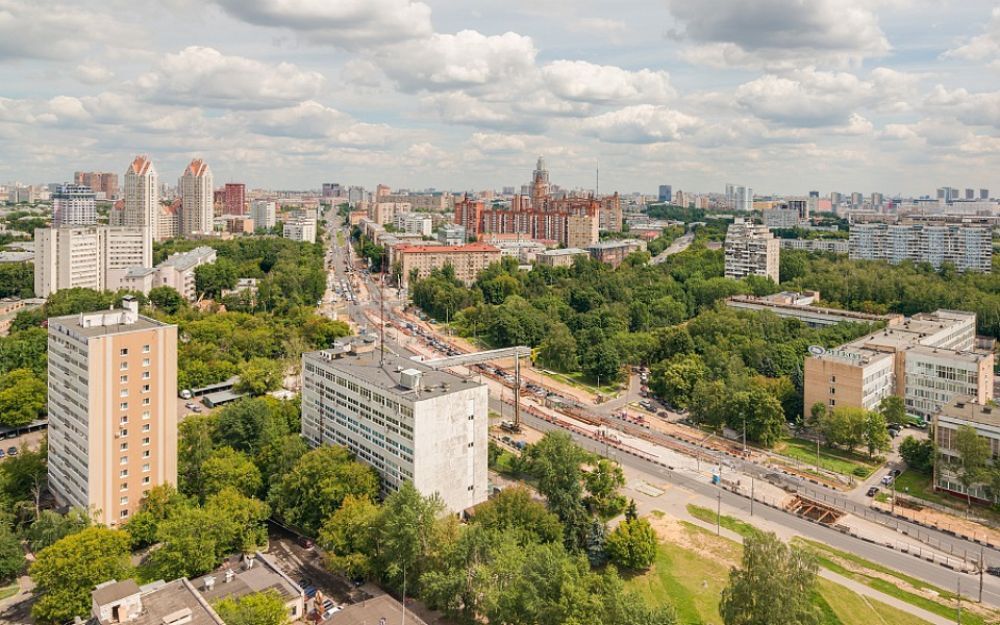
(332, 189)
(984, 194)
(264, 214)
(967, 247)
(928, 360)
(970, 194)
(142, 198)
(73, 205)
(743, 199)
(234, 198)
(666, 193)
(301, 230)
(539, 184)
(197, 207)
(112, 410)
(103, 184)
(93, 257)
(751, 250)
(408, 421)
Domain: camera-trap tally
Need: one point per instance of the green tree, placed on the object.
(603, 482)
(250, 424)
(675, 379)
(632, 545)
(167, 299)
(258, 608)
(67, 571)
(555, 462)
(876, 433)
(558, 350)
(50, 526)
(23, 478)
(12, 559)
(316, 486)
(893, 410)
(278, 456)
(226, 468)
(404, 530)
(17, 280)
(513, 510)
(348, 537)
(23, 397)
(211, 279)
(918, 455)
(973, 453)
(259, 376)
(845, 425)
(194, 446)
(775, 584)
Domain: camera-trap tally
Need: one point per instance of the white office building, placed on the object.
(751, 250)
(73, 205)
(415, 223)
(408, 421)
(302, 230)
(197, 199)
(743, 199)
(264, 214)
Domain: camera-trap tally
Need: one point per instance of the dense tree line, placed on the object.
(17, 280)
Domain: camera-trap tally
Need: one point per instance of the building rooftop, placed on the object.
(183, 261)
(972, 357)
(114, 591)
(965, 409)
(372, 611)
(104, 323)
(450, 249)
(613, 244)
(234, 579)
(564, 252)
(163, 603)
(389, 375)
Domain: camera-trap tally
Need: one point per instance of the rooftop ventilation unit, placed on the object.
(409, 378)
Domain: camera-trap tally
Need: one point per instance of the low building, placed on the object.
(187, 602)
(451, 234)
(11, 306)
(408, 421)
(614, 252)
(380, 609)
(466, 260)
(963, 411)
(414, 223)
(928, 360)
(560, 258)
(177, 271)
(802, 306)
(239, 224)
(781, 218)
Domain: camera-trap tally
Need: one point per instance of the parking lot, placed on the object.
(305, 566)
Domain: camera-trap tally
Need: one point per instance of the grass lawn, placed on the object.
(836, 460)
(502, 464)
(919, 485)
(581, 381)
(834, 559)
(693, 580)
(730, 523)
(340, 237)
(9, 591)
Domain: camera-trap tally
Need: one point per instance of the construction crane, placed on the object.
(476, 358)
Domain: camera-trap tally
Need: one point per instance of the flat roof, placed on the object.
(371, 612)
(450, 249)
(965, 409)
(164, 599)
(564, 252)
(72, 322)
(366, 367)
(262, 577)
(189, 259)
(114, 591)
(605, 245)
(972, 356)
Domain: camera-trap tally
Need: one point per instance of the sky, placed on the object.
(786, 96)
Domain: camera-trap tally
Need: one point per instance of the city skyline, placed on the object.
(779, 95)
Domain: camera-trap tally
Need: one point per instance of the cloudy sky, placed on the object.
(900, 96)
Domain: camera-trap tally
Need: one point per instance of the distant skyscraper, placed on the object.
(233, 198)
(197, 206)
(263, 214)
(876, 199)
(539, 184)
(743, 199)
(984, 194)
(331, 189)
(666, 193)
(101, 183)
(730, 195)
(142, 198)
(751, 250)
(970, 194)
(73, 205)
(857, 199)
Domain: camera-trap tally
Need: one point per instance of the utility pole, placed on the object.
(894, 495)
(958, 615)
(982, 566)
(751, 494)
(718, 504)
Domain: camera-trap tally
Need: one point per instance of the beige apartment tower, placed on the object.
(751, 250)
(112, 410)
(197, 199)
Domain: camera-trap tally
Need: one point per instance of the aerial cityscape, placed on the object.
(389, 311)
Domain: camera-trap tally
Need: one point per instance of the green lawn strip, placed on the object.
(919, 485)
(9, 591)
(578, 380)
(842, 605)
(836, 460)
(823, 554)
(742, 528)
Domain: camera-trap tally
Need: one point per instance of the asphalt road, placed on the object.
(914, 566)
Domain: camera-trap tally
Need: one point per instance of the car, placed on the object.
(872, 491)
(309, 592)
(895, 473)
(11, 434)
(886, 480)
(12, 451)
(328, 612)
(2, 454)
(993, 570)
(196, 409)
(305, 543)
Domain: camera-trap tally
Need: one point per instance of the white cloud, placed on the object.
(984, 47)
(587, 82)
(463, 60)
(778, 33)
(342, 23)
(974, 109)
(312, 120)
(93, 74)
(46, 30)
(204, 76)
(644, 123)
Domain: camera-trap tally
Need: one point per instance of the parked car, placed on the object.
(886, 480)
(872, 491)
(993, 570)
(2, 454)
(309, 592)
(12, 451)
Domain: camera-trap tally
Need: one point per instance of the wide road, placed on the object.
(911, 565)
